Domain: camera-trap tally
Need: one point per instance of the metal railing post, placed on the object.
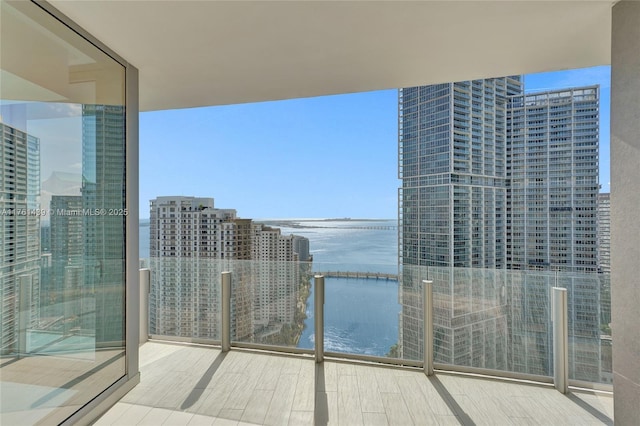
(145, 287)
(428, 326)
(226, 310)
(319, 317)
(560, 340)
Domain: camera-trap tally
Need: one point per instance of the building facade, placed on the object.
(604, 233)
(192, 242)
(496, 181)
(104, 214)
(20, 231)
(453, 215)
(552, 152)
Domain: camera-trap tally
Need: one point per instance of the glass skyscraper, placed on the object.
(103, 203)
(453, 214)
(496, 181)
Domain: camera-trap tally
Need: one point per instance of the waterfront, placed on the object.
(361, 315)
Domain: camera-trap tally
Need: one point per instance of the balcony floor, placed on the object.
(199, 385)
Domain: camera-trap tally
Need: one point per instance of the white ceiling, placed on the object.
(196, 53)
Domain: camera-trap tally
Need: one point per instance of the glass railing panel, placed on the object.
(185, 297)
(361, 310)
(588, 311)
(528, 304)
(269, 301)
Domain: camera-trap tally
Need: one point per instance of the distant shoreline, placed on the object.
(337, 219)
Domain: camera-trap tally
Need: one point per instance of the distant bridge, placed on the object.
(367, 275)
(381, 228)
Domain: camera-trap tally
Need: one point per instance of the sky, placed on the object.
(324, 157)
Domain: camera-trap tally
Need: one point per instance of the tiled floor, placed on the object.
(48, 389)
(197, 385)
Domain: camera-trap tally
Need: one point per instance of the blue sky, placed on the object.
(331, 156)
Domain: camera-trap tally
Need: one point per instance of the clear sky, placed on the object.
(330, 156)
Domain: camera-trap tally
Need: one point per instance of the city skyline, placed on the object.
(361, 183)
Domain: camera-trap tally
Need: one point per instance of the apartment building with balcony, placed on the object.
(191, 243)
(184, 233)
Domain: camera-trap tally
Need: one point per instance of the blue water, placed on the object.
(361, 315)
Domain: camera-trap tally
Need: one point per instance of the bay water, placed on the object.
(361, 315)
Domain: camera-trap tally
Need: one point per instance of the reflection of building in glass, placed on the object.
(103, 200)
(20, 233)
(67, 254)
(495, 179)
(192, 242)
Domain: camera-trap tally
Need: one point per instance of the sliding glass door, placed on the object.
(62, 218)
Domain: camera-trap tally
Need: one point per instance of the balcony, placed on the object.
(263, 379)
(197, 385)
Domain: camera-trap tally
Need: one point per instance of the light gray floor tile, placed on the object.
(396, 409)
(231, 414)
(112, 415)
(225, 422)
(370, 399)
(178, 418)
(375, 419)
(200, 420)
(133, 415)
(301, 418)
(257, 406)
(304, 396)
(415, 400)
(349, 408)
(280, 407)
(154, 417)
(255, 388)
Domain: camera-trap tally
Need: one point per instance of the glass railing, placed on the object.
(361, 309)
(483, 319)
(502, 320)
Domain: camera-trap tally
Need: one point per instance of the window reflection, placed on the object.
(62, 218)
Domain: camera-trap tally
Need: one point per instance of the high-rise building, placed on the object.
(185, 233)
(493, 181)
(453, 214)
(604, 233)
(552, 154)
(20, 232)
(192, 242)
(103, 200)
(552, 157)
(276, 274)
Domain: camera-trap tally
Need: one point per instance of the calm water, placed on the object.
(361, 315)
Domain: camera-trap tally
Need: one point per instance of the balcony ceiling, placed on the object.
(196, 53)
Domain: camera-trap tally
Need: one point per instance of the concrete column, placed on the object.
(625, 209)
